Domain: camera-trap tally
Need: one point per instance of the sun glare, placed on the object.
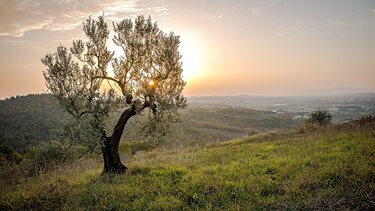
(151, 82)
(191, 54)
(191, 58)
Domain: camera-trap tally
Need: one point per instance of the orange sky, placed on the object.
(228, 47)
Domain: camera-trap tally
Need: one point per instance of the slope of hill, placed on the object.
(204, 124)
(330, 168)
(29, 120)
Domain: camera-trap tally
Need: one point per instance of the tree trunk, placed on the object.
(110, 145)
(111, 156)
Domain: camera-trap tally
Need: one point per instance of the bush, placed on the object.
(51, 155)
(251, 131)
(9, 154)
(321, 117)
(131, 148)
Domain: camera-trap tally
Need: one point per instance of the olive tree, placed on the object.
(146, 77)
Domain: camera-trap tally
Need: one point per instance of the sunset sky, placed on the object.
(258, 47)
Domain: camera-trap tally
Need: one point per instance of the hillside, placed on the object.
(29, 120)
(326, 168)
(204, 124)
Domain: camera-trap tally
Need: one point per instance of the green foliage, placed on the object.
(321, 117)
(51, 156)
(327, 169)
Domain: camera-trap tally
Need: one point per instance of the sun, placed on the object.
(191, 58)
(152, 83)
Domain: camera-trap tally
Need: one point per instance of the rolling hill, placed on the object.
(29, 120)
(324, 169)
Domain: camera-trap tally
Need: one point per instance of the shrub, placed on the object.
(51, 155)
(131, 148)
(321, 117)
(251, 131)
(8, 153)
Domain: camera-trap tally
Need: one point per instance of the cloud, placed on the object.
(22, 16)
(278, 34)
(324, 22)
(263, 6)
(254, 11)
(293, 29)
(302, 27)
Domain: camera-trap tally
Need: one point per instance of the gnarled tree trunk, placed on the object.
(111, 156)
(110, 145)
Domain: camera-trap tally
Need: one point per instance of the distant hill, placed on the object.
(343, 106)
(341, 90)
(29, 120)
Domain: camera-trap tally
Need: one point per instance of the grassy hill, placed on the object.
(326, 168)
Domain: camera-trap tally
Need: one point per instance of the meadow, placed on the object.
(329, 167)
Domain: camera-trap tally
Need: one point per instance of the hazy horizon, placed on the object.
(280, 47)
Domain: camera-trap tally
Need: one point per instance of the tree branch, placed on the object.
(125, 116)
(121, 85)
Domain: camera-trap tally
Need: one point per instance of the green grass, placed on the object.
(317, 170)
